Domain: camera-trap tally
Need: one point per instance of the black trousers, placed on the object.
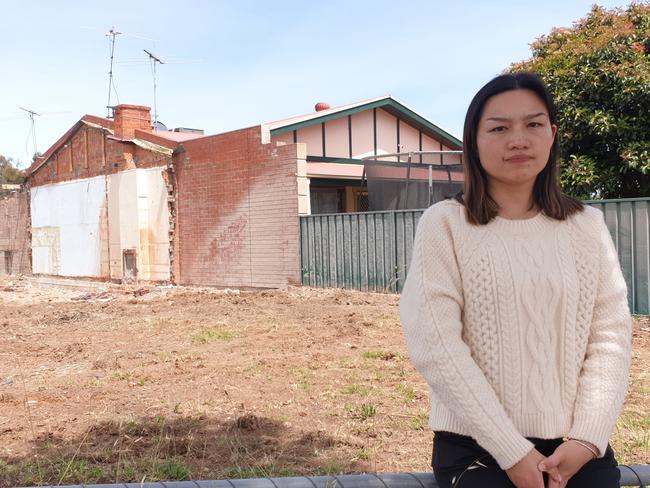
(453, 454)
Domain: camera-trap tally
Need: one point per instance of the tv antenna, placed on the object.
(31, 114)
(112, 34)
(154, 59)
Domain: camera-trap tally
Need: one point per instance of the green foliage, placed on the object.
(9, 172)
(599, 74)
(171, 469)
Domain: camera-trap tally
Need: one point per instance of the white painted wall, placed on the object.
(139, 219)
(122, 217)
(153, 222)
(66, 220)
(67, 217)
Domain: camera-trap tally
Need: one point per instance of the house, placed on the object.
(117, 200)
(338, 139)
(98, 200)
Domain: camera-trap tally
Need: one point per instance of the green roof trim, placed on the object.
(322, 159)
(405, 114)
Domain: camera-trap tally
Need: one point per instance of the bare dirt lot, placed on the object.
(178, 383)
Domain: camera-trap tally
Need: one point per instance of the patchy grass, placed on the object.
(259, 472)
(212, 335)
(407, 392)
(632, 437)
(356, 389)
(363, 412)
(383, 355)
(419, 421)
(171, 469)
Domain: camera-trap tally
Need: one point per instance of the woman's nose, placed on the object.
(518, 140)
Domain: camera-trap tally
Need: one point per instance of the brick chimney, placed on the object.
(128, 118)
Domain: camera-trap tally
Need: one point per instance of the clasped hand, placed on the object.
(566, 461)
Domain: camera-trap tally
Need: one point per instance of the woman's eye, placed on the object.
(535, 124)
(500, 128)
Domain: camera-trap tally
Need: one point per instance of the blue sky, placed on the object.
(239, 63)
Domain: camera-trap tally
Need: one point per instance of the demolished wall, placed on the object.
(15, 234)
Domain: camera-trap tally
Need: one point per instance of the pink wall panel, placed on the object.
(313, 137)
(337, 138)
(362, 135)
(409, 138)
(429, 144)
(286, 138)
(386, 134)
(450, 158)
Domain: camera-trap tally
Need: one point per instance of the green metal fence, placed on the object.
(628, 221)
(364, 251)
(372, 250)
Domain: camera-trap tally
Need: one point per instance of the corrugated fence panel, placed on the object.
(372, 250)
(363, 251)
(628, 221)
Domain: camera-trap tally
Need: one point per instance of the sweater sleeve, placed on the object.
(431, 308)
(604, 376)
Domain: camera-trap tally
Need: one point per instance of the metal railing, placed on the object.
(630, 476)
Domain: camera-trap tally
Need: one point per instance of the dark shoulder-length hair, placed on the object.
(480, 206)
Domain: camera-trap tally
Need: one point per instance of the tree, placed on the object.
(599, 74)
(10, 173)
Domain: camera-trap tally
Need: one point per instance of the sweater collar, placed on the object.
(530, 225)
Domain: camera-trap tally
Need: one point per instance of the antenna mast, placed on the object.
(31, 118)
(154, 59)
(112, 33)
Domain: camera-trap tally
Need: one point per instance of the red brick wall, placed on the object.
(129, 118)
(14, 233)
(83, 157)
(237, 204)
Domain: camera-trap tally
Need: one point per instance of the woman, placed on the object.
(515, 310)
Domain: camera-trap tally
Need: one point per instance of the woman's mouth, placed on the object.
(519, 158)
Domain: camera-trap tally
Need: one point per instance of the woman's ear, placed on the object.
(554, 130)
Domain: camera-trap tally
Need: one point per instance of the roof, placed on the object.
(157, 140)
(90, 120)
(177, 136)
(386, 102)
(291, 121)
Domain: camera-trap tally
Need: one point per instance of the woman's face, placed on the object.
(514, 138)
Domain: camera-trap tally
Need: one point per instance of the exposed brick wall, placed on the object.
(237, 204)
(83, 157)
(14, 234)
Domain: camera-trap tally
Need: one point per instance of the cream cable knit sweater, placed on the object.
(521, 328)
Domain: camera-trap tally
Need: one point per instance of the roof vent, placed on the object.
(187, 130)
(322, 106)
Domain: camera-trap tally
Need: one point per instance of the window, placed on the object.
(327, 200)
